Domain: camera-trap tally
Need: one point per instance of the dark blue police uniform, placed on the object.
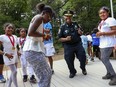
(73, 47)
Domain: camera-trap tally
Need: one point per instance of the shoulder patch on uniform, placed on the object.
(59, 31)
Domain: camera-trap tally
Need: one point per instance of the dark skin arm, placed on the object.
(10, 56)
(80, 32)
(68, 38)
(32, 30)
(112, 32)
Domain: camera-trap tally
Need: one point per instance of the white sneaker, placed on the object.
(2, 80)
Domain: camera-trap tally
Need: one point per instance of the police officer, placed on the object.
(69, 35)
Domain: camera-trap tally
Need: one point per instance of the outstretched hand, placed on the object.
(10, 56)
(79, 31)
(98, 34)
(68, 38)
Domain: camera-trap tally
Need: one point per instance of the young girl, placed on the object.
(34, 47)
(48, 44)
(24, 63)
(9, 42)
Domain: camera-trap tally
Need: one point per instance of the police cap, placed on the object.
(68, 13)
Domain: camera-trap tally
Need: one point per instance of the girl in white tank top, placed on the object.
(34, 47)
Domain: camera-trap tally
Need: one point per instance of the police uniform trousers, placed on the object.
(70, 50)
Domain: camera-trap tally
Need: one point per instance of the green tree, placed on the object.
(86, 12)
(14, 11)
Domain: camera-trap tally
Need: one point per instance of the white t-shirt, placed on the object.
(107, 41)
(89, 37)
(8, 49)
(84, 39)
(21, 42)
(34, 43)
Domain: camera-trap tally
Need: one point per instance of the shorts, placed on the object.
(89, 43)
(96, 48)
(1, 60)
(49, 49)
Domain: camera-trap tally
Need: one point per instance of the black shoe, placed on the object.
(107, 76)
(71, 75)
(33, 79)
(113, 81)
(84, 72)
(25, 78)
(92, 59)
(52, 71)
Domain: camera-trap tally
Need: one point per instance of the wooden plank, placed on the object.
(25, 84)
(61, 76)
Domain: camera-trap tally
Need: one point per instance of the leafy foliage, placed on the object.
(20, 12)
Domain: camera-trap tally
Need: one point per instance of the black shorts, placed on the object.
(1, 59)
(96, 48)
(1, 56)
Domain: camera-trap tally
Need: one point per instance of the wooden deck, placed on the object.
(60, 78)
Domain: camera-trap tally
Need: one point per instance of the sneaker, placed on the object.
(92, 59)
(33, 79)
(52, 71)
(25, 78)
(113, 81)
(2, 79)
(71, 75)
(84, 72)
(107, 76)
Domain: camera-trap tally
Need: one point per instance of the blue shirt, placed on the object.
(48, 26)
(95, 40)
